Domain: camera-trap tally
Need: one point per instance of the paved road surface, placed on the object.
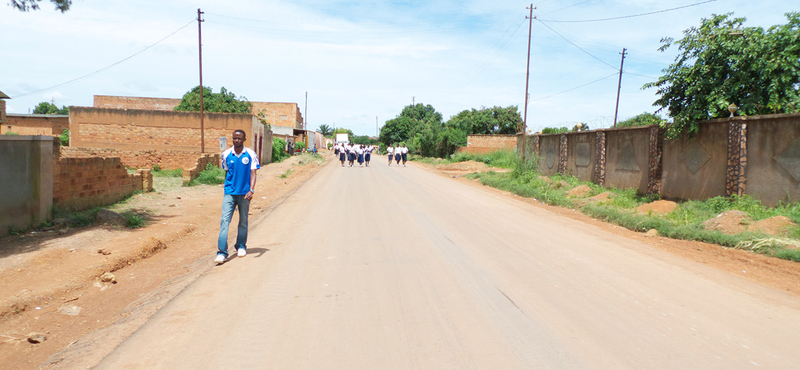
(400, 268)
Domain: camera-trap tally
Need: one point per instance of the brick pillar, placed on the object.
(562, 155)
(654, 171)
(735, 176)
(600, 159)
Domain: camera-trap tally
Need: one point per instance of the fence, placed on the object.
(758, 156)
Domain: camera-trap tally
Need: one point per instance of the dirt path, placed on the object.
(49, 282)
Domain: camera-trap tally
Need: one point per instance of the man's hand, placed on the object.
(249, 195)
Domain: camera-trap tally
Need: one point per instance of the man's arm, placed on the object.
(253, 178)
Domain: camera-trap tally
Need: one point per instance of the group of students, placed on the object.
(400, 152)
(353, 153)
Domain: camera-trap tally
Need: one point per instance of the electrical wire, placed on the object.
(106, 67)
(575, 88)
(630, 16)
(579, 48)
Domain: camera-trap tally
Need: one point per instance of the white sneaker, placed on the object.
(242, 252)
(220, 259)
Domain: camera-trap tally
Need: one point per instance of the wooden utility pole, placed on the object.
(619, 87)
(200, 48)
(305, 119)
(527, 79)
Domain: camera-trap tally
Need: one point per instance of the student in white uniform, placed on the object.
(390, 151)
(368, 154)
(351, 154)
(397, 151)
(342, 154)
(404, 154)
(360, 155)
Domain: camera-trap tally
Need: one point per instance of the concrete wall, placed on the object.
(480, 144)
(549, 149)
(627, 158)
(696, 169)
(773, 157)
(26, 167)
(35, 124)
(581, 155)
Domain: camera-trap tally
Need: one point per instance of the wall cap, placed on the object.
(26, 138)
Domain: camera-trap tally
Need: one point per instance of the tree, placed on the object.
(50, 108)
(495, 120)
(643, 119)
(720, 63)
(365, 140)
(413, 119)
(554, 130)
(222, 102)
(325, 130)
(449, 140)
(28, 5)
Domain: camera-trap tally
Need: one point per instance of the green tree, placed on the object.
(643, 119)
(50, 108)
(222, 102)
(449, 140)
(28, 5)
(325, 130)
(495, 120)
(364, 139)
(413, 119)
(554, 130)
(722, 63)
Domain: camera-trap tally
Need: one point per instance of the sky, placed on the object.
(360, 62)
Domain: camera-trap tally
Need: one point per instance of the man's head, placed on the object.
(238, 138)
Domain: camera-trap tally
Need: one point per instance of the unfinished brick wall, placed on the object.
(133, 102)
(192, 173)
(83, 183)
(280, 114)
(479, 144)
(165, 159)
(35, 124)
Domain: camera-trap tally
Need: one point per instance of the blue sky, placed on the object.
(359, 60)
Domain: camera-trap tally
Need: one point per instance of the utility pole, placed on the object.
(619, 87)
(200, 48)
(527, 79)
(413, 107)
(305, 119)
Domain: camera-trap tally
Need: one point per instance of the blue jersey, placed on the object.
(238, 167)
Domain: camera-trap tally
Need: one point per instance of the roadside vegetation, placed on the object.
(618, 206)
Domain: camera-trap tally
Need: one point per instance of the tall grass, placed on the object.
(212, 175)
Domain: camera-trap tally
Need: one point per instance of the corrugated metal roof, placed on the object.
(3, 95)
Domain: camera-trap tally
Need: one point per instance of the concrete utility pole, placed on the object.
(305, 119)
(413, 109)
(619, 87)
(527, 79)
(200, 48)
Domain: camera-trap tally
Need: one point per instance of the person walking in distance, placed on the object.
(342, 154)
(360, 155)
(404, 154)
(368, 154)
(240, 165)
(397, 151)
(390, 151)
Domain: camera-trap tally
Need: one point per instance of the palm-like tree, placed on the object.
(325, 130)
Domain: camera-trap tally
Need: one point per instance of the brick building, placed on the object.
(35, 124)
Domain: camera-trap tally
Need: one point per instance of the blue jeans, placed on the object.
(229, 203)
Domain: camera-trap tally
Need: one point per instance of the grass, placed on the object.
(133, 220)
(684, 223)
(287, 173)
(500, 158)
(176, 172)
(212, 175)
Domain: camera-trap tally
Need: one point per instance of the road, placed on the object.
(402, 268)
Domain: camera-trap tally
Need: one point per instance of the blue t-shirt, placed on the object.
(237, 179)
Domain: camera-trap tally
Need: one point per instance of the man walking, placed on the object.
(240, 165)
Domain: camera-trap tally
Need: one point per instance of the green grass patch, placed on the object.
(133, 220)
(212, 175)
(500, 158)
(287, 173)
(176, 172)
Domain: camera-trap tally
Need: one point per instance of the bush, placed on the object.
(278, 151)
(64, 138)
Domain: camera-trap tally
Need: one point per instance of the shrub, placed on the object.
(212, 175)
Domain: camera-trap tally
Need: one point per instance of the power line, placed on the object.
(575, 88)
(575, 45)
(630, 16)
(104, 68)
